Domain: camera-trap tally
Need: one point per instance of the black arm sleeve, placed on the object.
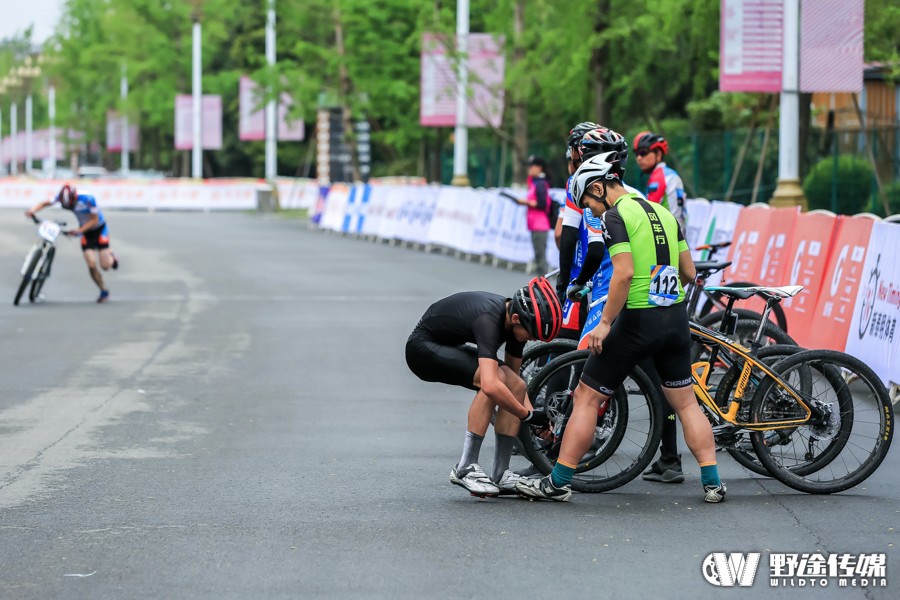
(567, 243)
(592, 261)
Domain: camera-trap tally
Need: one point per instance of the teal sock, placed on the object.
(561, 475)
(709, 475)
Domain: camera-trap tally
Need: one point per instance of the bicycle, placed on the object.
(36, 268)
(802, 400)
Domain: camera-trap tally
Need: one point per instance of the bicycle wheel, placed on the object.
(537, 355)
(777, 311)
(626, 437)
(26, 277)
(846, 437)
(738, 444)
(42, 276)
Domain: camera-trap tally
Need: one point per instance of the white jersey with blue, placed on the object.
(84, 208)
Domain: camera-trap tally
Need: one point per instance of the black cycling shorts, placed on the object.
(431, 361)
(661, 334)
(95, 239)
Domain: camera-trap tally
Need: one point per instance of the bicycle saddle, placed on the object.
(778, 293)
(711, 266)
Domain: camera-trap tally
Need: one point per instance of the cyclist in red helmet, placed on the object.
(91, 228)
(456, 342)
(664, 186)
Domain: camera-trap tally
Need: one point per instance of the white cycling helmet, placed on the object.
(605, 167)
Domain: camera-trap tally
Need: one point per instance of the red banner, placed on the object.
(808, 259)
(834, 307)
(749, 244)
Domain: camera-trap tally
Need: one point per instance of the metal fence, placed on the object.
(736, 165)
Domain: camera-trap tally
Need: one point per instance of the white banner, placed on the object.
(163, 195)
(873, 336)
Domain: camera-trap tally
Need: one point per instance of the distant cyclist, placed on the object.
(644, 316)
(456, 342)
(664, 186)
(93, 231)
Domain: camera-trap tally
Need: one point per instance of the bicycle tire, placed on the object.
(537, 356)
(828, 362)
(777, 310)
(769, 355)
(26, 278)
(38, 284)
(591, 476)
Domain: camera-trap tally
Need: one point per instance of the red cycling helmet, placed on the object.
(67, 196)
(538, 308)
(648, 142)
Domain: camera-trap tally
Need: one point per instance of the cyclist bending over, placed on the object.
(439, 350)
(92, 229)
(643, 317)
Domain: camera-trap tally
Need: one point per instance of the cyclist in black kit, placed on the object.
(456, 342)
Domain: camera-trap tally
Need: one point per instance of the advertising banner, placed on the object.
(834, 307)
(873, 335)
(750, 45)
(211, 115)
(808, 260)
(486, 65)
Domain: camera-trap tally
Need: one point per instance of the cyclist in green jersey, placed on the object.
(643, 317)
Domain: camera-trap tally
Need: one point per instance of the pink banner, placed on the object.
(114, 133)
(831, 45)
(750, 45)
(486, 66)
(211, 114)
(289, 129)
(252, 125)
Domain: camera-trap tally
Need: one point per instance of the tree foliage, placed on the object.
(638, 64)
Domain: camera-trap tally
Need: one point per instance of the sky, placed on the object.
(17, 15)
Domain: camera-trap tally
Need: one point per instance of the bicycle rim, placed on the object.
(839, 452)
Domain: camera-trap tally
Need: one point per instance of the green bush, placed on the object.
(892, 192)
(854, 184)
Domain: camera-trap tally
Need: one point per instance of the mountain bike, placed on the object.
(818, 420)
(36, 268)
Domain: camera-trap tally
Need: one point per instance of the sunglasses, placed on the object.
(641, 153)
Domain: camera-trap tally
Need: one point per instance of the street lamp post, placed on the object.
(14, 155)
(461, 133)
(788, 191)
(197, 148)
(27, 73)
(271, 112)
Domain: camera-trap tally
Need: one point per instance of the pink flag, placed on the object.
(211, 115)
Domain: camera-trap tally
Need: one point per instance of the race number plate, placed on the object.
(663, 285)
(49, 231)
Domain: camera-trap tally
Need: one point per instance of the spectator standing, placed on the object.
(538, 203)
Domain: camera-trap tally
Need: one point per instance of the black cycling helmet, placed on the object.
(573, 143)
(67, 196)
(579, 130)
(602, 141)
(538, 308)
(647, 141)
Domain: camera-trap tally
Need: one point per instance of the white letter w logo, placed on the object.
(727, 569)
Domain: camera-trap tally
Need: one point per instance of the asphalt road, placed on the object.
(239, 422)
